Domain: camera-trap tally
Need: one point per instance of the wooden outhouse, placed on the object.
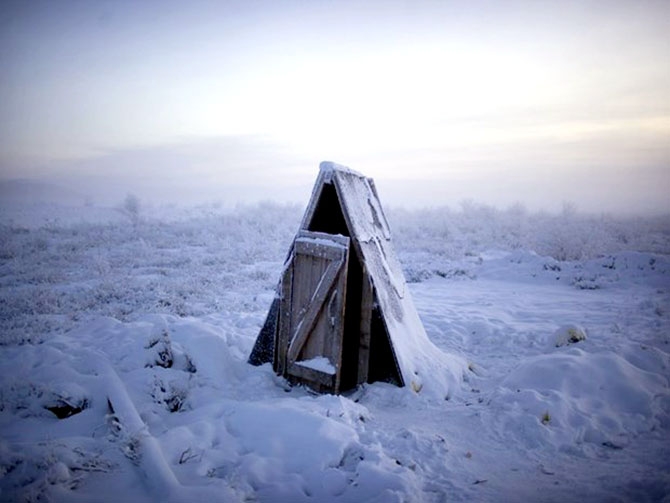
(343, 315)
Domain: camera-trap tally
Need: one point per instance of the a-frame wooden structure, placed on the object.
(342, 315)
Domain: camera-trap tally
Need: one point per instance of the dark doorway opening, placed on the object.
(329, 218)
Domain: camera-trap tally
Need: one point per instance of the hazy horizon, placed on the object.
(440, 102)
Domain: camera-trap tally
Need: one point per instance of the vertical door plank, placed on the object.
(367, 300)
(284, 331)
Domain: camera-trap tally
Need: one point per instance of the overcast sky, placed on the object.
(536, 102)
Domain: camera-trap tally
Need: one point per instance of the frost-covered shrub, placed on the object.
(568, 235)
(37, 471)
(131, 207)
(203, 260)
(171, 395)
(187, 264)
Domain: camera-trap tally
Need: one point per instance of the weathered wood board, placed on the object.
(312, 309)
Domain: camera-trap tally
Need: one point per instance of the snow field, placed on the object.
(158, 317)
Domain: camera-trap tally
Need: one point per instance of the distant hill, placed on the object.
(34, 192)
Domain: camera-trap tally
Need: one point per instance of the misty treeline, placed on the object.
(201, 260)
(568, 235)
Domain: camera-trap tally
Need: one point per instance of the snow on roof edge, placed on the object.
(326, 166)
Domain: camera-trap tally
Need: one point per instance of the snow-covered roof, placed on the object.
(422, 365)
(329, 166)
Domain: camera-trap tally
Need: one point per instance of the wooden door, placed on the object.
(311, 317)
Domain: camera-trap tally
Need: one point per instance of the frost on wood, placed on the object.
(383, 337)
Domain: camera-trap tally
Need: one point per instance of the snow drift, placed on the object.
(173, 304)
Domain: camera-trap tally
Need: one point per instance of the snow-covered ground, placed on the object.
(138, 326)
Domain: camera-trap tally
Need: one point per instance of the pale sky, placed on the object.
(537, 102)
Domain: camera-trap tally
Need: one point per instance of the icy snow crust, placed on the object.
(157, 318)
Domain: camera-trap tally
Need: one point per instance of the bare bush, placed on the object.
(131, 207)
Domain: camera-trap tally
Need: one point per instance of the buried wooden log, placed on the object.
(141, 447)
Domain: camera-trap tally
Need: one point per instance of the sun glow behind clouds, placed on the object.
(408, 97)
(429, 90)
